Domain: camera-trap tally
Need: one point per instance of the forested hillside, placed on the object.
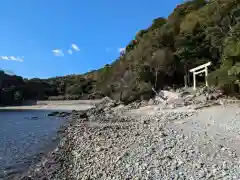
(14, 89)
(196, 32)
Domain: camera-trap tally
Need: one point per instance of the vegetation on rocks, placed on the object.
(196, 32)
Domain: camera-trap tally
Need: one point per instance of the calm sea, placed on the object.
(24, 135)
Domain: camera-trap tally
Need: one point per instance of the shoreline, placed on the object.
(48, 164)
(144, 141)
(77, 105)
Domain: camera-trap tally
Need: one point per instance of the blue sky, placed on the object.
(46, 38)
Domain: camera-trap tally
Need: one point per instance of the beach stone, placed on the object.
(122, 142)
(55, 113)
(26, 178)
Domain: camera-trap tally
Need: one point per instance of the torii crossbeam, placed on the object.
(198, 70)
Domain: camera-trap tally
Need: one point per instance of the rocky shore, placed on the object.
(145, 140)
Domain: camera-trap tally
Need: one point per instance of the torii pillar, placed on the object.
(198, 70)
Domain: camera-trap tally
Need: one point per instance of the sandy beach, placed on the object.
(56, 105)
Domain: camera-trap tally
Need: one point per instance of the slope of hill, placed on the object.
(14, 89)
(196, 32)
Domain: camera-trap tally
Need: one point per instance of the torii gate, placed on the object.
(195, 72)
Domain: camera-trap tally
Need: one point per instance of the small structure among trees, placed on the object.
(198, 70)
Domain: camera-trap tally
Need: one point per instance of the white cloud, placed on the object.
(75, 47)
(121, 50)
(12, 58)
(70, 52)
(4, 57)
(58, 52)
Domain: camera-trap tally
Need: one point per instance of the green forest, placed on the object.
(161, 55)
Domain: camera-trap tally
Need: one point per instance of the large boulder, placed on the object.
(105, 105)
(107, 111)
(170, 95)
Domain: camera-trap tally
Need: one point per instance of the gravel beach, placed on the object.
(147, 147)
(150, 140)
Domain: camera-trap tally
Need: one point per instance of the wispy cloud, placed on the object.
(121, 50)
(70, 51)
(75, 47)
(12, 58)
(4, 57)
(58, 52)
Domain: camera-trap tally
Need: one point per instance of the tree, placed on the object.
(157, 23)
(17, 97)
(192, 49)
(216, 36)
(162, 62)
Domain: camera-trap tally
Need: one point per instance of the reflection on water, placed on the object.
(23, 135)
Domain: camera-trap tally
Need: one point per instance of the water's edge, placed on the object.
(52, 162)
(45, 164)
